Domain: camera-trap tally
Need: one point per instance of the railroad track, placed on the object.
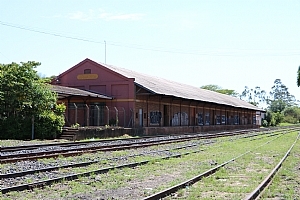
(253, 195)
(43, 183)
(83, 164)
(34, 152)
(75, 176)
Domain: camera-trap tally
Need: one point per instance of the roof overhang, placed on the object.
(67, 92)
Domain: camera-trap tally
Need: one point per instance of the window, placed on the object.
(218, 119)
(200, 119)
(223, 119)
(87, 71)
(254, 120)
(207, 120)
(180, 119)
(155, 117)
(236, 119)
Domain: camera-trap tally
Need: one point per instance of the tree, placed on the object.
(277, 105)
(292, 114)
(254, 96)
(273, 118)
(219, 89)
(298, 77)
(270, 118)
(280, 98)
(280, 105)
(24, 96)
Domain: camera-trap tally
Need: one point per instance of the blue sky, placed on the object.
(230, 43)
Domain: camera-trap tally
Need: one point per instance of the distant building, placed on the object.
(107, 94)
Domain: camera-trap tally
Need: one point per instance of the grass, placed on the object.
(161, 174)
(286, 182)
(286, 124)
(6, 143)
(242, 176)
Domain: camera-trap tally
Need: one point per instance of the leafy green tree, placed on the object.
(273, 118)
(270, 118)
(25, 96)
(278, 117)
(292, 114)
(254, 96)
(219, 89)
(281, 105)
(277, 105)
(298, 77)
(280, 92)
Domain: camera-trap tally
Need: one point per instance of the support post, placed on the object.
(107, 115)
(87, 115)
(117, 116)
(98, 115)
(124, 116)
(75, 113)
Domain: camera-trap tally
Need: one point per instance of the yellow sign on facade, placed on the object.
(87, 76)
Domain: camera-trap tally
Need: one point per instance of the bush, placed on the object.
(50, 123)
(290, 119)
(15, 128)
(264, 123)
(24, 95)
(46, 126)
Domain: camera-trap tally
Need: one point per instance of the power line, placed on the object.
(93, 41)
(140, 47)
(48, 33)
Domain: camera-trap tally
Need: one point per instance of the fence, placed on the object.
(97, 115)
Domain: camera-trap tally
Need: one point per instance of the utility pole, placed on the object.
(105, 50)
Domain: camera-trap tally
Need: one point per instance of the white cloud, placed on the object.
(100, 14)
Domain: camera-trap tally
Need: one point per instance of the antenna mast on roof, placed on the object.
(105, 50)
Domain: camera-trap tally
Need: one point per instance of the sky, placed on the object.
(230, 43)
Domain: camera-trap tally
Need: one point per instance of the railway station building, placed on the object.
(98, 94)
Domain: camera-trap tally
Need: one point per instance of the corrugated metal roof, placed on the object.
(166, 87)
(64, 92)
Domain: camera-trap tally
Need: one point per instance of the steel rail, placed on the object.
(74, 152)
(43, 183)
(69, 144)
(18, 148)
(197, 178)
(267, 181)
(79, 151)
(79, 164)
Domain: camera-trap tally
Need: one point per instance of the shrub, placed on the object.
(50, 123)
